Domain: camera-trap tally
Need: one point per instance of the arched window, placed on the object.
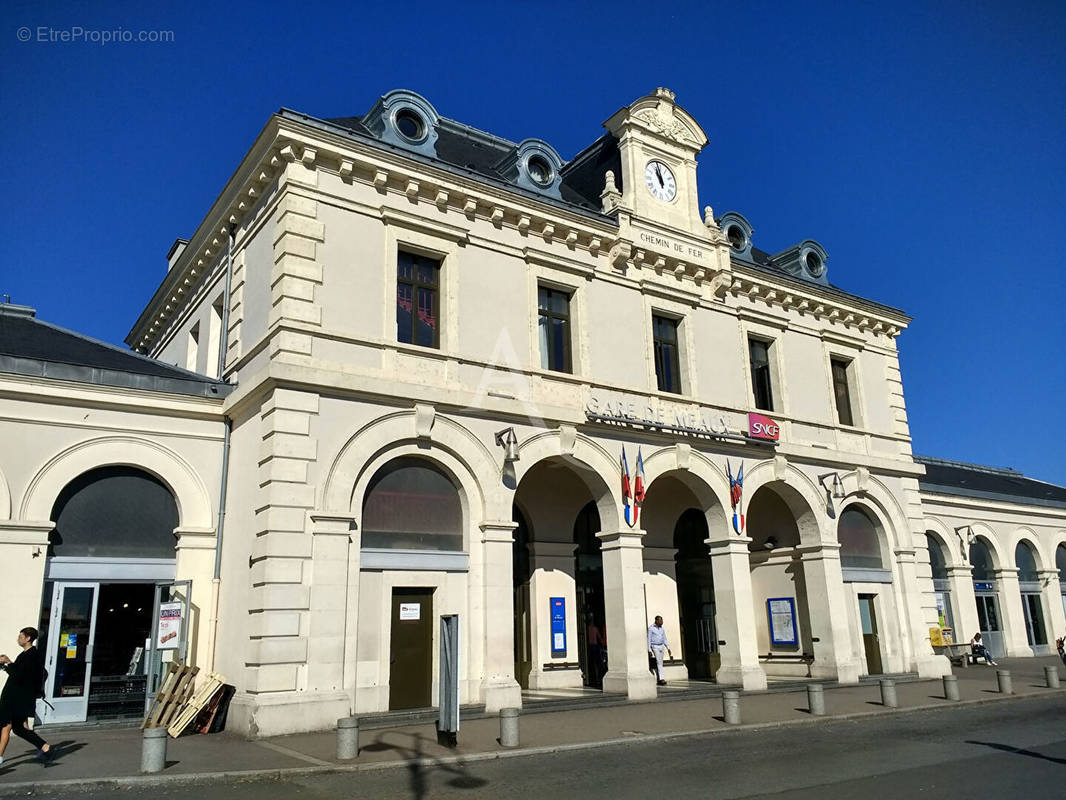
(981, 561)
(412, 505)
(114, 512)
(859, 544)
(936, 557)
(1025, 561)
(1060, 563)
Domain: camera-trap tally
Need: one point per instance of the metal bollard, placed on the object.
(509, 727)
(154, 750)
(951, 687)
(731, 707)
(888, 694)
(1051, 674)
(347, 738)
(1005, 685)
(815, 699)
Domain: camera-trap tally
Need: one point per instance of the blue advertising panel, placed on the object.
(782, 614)
(557, 609)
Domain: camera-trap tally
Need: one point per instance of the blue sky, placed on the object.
(922, 143)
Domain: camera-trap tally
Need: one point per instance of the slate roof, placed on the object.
(29, 346)
(990, 483)
(470, 149)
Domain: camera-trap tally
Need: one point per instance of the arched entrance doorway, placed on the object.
(985, 594)
(411, 506)
(108, 581)
(778, 582)
(863, 565)
(558, 573)
(1032, 599)
(941, 587)
(591, 613)
(695, 595)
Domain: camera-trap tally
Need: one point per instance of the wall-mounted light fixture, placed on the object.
(834, 489)
(966, 537)
(509, 442)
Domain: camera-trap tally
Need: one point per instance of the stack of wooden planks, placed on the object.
(178, 708)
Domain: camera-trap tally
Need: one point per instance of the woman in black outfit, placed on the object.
(19, 698)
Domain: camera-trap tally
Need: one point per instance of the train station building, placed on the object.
(406, 371)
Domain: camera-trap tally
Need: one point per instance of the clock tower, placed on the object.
(658, 142)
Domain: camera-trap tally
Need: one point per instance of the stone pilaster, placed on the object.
(334, 565)
(834, 658)
(236, 308)
(960, 580)
(23, 548)
(1015, 641)
(499, 687)
(1054, 614)
(296, 273)
(915, 625)
(627, 634)
(282, 550)
(735, 612)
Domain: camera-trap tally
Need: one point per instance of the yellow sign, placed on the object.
(948, 634)
(936, 637)
(63, 637)
(72, 652)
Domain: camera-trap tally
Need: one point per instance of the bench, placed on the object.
(792, 658)
(961, 653)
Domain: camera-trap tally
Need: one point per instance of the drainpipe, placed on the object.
(228, 427)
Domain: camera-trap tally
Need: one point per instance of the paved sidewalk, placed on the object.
(90, 757)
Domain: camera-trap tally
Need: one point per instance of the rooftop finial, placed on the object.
(664, 94)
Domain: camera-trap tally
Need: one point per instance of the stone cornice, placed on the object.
(808, 301)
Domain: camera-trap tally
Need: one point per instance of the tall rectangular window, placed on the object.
(667, 362)
(553, 329)
(193, 351)
(417, 300)
(759, 352)
(841, 394)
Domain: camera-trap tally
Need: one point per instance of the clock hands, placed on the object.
(659, 174)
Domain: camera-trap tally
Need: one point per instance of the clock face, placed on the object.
(660, 181)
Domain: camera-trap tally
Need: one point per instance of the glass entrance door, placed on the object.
(1034, 619)
(988, 622)
(871, 640)
(69, 655)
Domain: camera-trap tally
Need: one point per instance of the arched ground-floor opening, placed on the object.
(112, 615)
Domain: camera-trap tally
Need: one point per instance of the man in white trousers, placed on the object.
(656, 644)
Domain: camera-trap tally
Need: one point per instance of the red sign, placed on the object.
(762, 427)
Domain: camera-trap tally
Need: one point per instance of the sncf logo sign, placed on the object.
(763, 427)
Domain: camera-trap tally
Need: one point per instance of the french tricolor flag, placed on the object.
(627, 494)
(638, 488)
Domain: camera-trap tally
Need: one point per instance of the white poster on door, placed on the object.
(410, 611)
(168, 626)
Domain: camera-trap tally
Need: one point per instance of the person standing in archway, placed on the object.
(25, 676)
(657, 644)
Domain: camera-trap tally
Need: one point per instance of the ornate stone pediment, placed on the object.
(659, 115)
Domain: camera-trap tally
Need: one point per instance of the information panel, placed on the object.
(558, 618)
(782, 614)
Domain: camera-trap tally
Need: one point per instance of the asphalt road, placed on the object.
(985, 751)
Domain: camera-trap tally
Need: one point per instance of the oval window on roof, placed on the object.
(737, 239)
(410, 124)
(540, 171)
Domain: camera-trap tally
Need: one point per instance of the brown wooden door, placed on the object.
(870, 639)
(411, 651)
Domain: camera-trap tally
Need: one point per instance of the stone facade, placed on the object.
(326, 400)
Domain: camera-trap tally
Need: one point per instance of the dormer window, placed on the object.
(539, 170)
(737, 232)
(815, 265)
(410, 124)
